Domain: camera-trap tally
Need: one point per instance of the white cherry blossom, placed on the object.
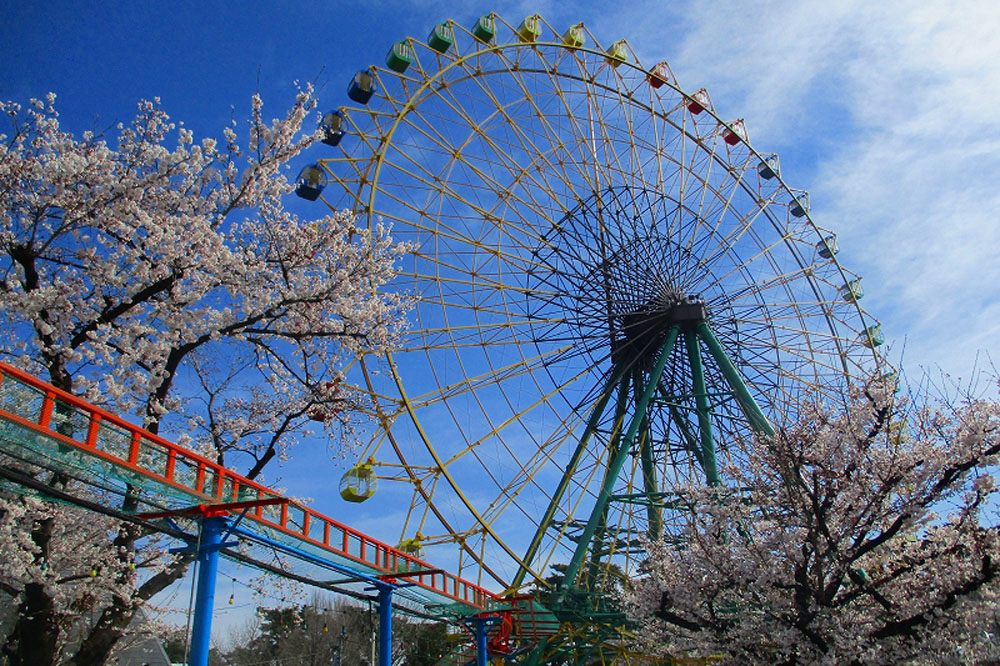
(161, 275)
(857, 537)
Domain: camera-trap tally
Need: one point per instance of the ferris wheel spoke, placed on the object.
(526, 144)
(456, 302)
(775, 282)
(502, 326)
(455, 280)
(720, 217)
(583, 137)
(561, 210)
(700, 171)
(541, 459)
(515, 420)
(762, 252)
(726, 245)
(473, 248)
(637, 149)
(550, 132)
(493, 377)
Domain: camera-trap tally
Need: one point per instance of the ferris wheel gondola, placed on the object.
(615, 294)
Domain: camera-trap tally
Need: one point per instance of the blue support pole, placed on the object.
(481, 627)
(480, 631)
(384, 588)
(385, 624)
(212, 529)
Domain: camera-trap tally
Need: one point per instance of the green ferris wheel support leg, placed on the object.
(689, 440)
(543, 524)
(702, 407)
(616, 435)
(742, 394)
(654, 513)
(618, 459)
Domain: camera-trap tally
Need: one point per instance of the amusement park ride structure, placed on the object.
(616, 296)
(42, 427)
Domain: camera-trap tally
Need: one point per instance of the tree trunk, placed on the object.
(34, 639)
(96, 647)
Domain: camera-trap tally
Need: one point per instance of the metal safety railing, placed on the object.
(70, 427)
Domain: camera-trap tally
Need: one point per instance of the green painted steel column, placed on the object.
(618, 459)
(543, 525)
(654, 513)
(704, 411)
(621, 410)
(689, 439)
(749, 406)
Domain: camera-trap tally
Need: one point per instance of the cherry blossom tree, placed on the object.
(860, 536)
(170, 283)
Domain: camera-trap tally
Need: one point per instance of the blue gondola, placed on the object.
(311, 181)
(768, 168)
(827, 247)
(362, 87)
(800, 204)
(332, 125)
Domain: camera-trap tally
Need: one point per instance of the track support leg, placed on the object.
(480, 625)
(385, 624)
(212, 530)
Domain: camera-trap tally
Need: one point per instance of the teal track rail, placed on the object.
(55, 429)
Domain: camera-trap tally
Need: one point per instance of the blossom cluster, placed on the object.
(865, 535)
(126, 268)
(163, 277)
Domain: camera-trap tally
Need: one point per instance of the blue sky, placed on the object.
(885, 112)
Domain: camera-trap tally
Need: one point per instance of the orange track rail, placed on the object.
(132, 449)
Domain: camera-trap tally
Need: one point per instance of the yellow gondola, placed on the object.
(412, 547)
(359, 483)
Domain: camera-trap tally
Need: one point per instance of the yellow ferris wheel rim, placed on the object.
(397, 157)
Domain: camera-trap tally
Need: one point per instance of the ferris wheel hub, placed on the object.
(689, 312)
(643, 330)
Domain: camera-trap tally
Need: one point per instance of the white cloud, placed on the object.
(887, 113)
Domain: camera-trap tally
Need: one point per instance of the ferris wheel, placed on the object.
(614, 294)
